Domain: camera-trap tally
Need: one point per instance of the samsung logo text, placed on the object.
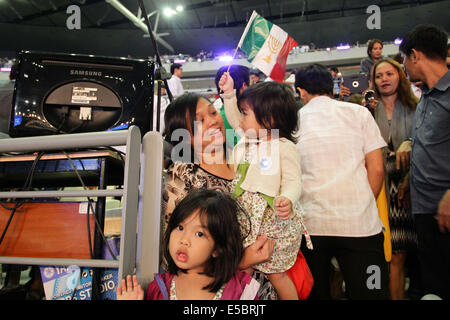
(85, 73)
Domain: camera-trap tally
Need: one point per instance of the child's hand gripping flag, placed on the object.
(267, 46)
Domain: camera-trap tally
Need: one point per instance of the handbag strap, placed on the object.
(162, 286)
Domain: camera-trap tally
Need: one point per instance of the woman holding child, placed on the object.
(199, 158)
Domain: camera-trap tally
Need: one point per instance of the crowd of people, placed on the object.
(262, 183)
(209, 55)
(259, 183)
(6, 62)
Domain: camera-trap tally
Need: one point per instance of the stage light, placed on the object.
(343, 47)
(168, 12)
(225, 58)
(398, 41)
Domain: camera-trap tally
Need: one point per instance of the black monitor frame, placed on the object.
(70, 93)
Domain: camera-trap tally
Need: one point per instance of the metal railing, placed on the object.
(132, 139)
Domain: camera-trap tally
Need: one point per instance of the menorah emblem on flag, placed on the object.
(267, 46)
(274, 46)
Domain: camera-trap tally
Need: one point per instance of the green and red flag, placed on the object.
(267, 46)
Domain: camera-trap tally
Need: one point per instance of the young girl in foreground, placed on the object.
(268, 173)
(203, 248)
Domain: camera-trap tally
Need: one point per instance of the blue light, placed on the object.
(123, 126)
(17, 121)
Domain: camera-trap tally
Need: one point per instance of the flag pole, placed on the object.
(235, 51)
(252, 17)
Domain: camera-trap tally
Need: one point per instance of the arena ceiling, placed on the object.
(196, 14)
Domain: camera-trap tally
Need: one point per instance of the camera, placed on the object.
(369, 96)
(336, 85)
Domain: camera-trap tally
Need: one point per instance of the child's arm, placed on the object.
(130, 289)
(290, 180)
(226, 84)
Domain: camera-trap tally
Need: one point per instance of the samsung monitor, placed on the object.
(72, 93)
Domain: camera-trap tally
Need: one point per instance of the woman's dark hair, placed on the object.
(180, 114)
(315, 79)
(371, 44)
(334, 69)
(427, 38)
(274, 106)
(218, 211)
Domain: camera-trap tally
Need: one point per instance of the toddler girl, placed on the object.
(203, 248)
(268, 174)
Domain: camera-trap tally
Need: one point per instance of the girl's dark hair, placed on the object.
(371, 44)
(315, 79)
(274, 106)
(219, 211)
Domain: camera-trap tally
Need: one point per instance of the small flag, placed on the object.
(267, 46)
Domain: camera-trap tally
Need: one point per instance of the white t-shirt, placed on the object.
(175, 86)
(334, 138)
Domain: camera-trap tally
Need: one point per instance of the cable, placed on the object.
(88, 224)
(75, 129)
(26, 187)
(65, 111)
(97, 224)
(13, 211)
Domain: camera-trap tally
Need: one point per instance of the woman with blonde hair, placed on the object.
(394, 113)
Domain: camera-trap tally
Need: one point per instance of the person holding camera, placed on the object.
(393, 107)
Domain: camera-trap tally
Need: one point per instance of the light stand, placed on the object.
(160, 74)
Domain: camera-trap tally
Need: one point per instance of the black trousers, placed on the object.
(362, 263)
(434, 256)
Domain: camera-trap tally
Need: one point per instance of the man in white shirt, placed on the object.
(174, 83)
(342, 174)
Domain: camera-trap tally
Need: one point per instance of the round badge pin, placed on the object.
(265, 163)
